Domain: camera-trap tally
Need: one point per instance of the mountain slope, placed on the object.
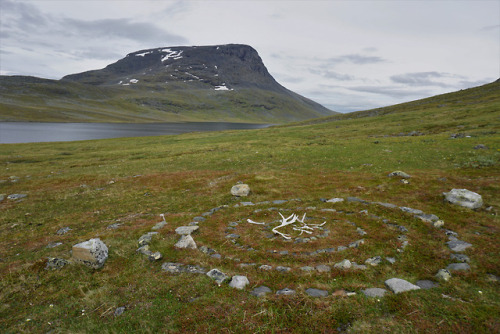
(207, 83)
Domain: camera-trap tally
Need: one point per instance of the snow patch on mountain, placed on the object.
(171, 54)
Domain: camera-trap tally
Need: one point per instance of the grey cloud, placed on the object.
(356, 59)
(333, 75)
(422, 79)
(488, 28)
(390, 91)
(122, 28)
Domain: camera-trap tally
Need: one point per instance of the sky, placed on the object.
(347, 55)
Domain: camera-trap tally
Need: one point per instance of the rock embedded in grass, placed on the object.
(239, 282)
(316, 292)
(374, 292)
(240, 190)
(458, 245)
(344, 264)
(285, 292)
(398, 285)
(464, 198)
(458, 267)
(63, 230)
(54, 263)
(460, 257)
(14, 197)
(92, 253)
(400, 174)
(218, 276)
(426, 284)
(145, 239)
(443, 274)
(260, 291)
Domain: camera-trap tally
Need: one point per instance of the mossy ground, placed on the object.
(70, 184)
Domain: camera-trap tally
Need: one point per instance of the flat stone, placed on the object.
(14, 197)
(341, 248)
(316, 292)
(247, 204)
(285, 292)
(357, 243)
(307, 268)
(216, 256)
(265, 267)
(344, 264)
(356, 266)
(283, 269)
(233, 224)
(144, 250)
(260, 291)
(460, 257)
(92, 253)
(412, 211)
(426, 284)
(374, 292)
(279, 201)
(186, 230)
(399, 173)
(427, 217)
(374, 261)
(458, 245)
(464, 198)
(53, 244)
(173, 268)
(194, 269)
(218, 276)
(387, 205)
(391, 260)
(233, 236)
(398, 285)
(145, 239)
(443, 274)
(199, 219)
(63, 230)
(322, 268)
(54, 263)
(458, 267)
(159, 226)
(186, 241)
(240, 190)
(239, 282)
(355, 199)
(119, 311)
(335, 200)
(114, 226)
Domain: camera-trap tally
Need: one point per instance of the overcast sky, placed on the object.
(347, 55)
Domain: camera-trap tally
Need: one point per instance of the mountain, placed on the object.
(196, 83)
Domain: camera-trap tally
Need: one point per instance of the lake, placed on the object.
(30, 132)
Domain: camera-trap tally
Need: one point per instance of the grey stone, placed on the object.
(279, 201)
(443, 275)
(374, 261)
(63, 230)
(341, 248)
(54, 244)
(316, 292)
(426, 284)
(480, 147)
(283, 252)
(155, 256)
(145, 239)
(218, 276)
(458, 245)
(54, 263)
(240, 190)
(357, 243)
(186, 230)
(199, 219)
(398, 285)
(233, 224)
(356, 266)
(260, 291)
(427, 217)
(492, 278)
(14, 197)
(458, 267)
(114, 226)
(283, 269)
(119, 311)
(322, 268)
(186, 241)
(307, 268)
(285, 292)
(232, 236)
(193, 269)
(412, 211)
(216, 256)
(2, 197)
(355, 199)
(193, 224)
(464, 198)
(399, 173)
(335, 200)
(387, 205)
(391, 260)
(374, 292)
(144, 250)
(93, 253)
(361, 231)
(460, 257)
(265, 267)
(159, 226)
(173, 268)
(438, 224)
(239, 282)
(206, 250)
(344, 264)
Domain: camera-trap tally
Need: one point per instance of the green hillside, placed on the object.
(116, 190)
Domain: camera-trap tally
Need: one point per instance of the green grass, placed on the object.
(69, 184)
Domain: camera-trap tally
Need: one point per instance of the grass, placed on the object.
(90, 185)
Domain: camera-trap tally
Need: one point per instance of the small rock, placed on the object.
(199, 219)
(247, 204)
(63, 230)
(260, 291)
(279, 201)
(173, 268)
(458, 267)
(427, 217)
(54, 244)
(443, 275)
(93, 253)
(285, 292)
(232, 236)
(240, 190)
(144, 250)
(361, 231)
(239, 282)
(14, 197)
(155, 256)
(307, 268)
(323, 268)
(492, 278)
(404, 181)
(216, 256)
(54, 263)
(460, 257)
(335, 200)
(399, 173)
(356, 266)
(458, 245)
(391, 260)
(159, 226)
(412, 211)
(186, 230)
(2, 197)
(438, 224)
(426, 284)
(145, 239)
(316, 292)
(398, 285)
(186, 241)
(233, 224)
(119, 311)
(374, 261)
(341, 248)
(265, 267)
(480, 147)
(344, 264)
(374, 292)
(218, 276)
(283, 269)
(465, 198)
(387, 205)
(357, 243)
(114, 226)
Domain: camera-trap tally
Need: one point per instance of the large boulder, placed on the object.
(93, 253)
(240, 190)
(465, 198)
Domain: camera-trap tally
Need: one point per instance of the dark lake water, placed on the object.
(30, 132)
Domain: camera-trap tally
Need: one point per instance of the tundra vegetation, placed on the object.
(115, 190)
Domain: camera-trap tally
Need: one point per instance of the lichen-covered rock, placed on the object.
(218, 276)
(465, 198)
(93, 253)
(54, 263)
(240, 190)
(443, 275)
(344, 264)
